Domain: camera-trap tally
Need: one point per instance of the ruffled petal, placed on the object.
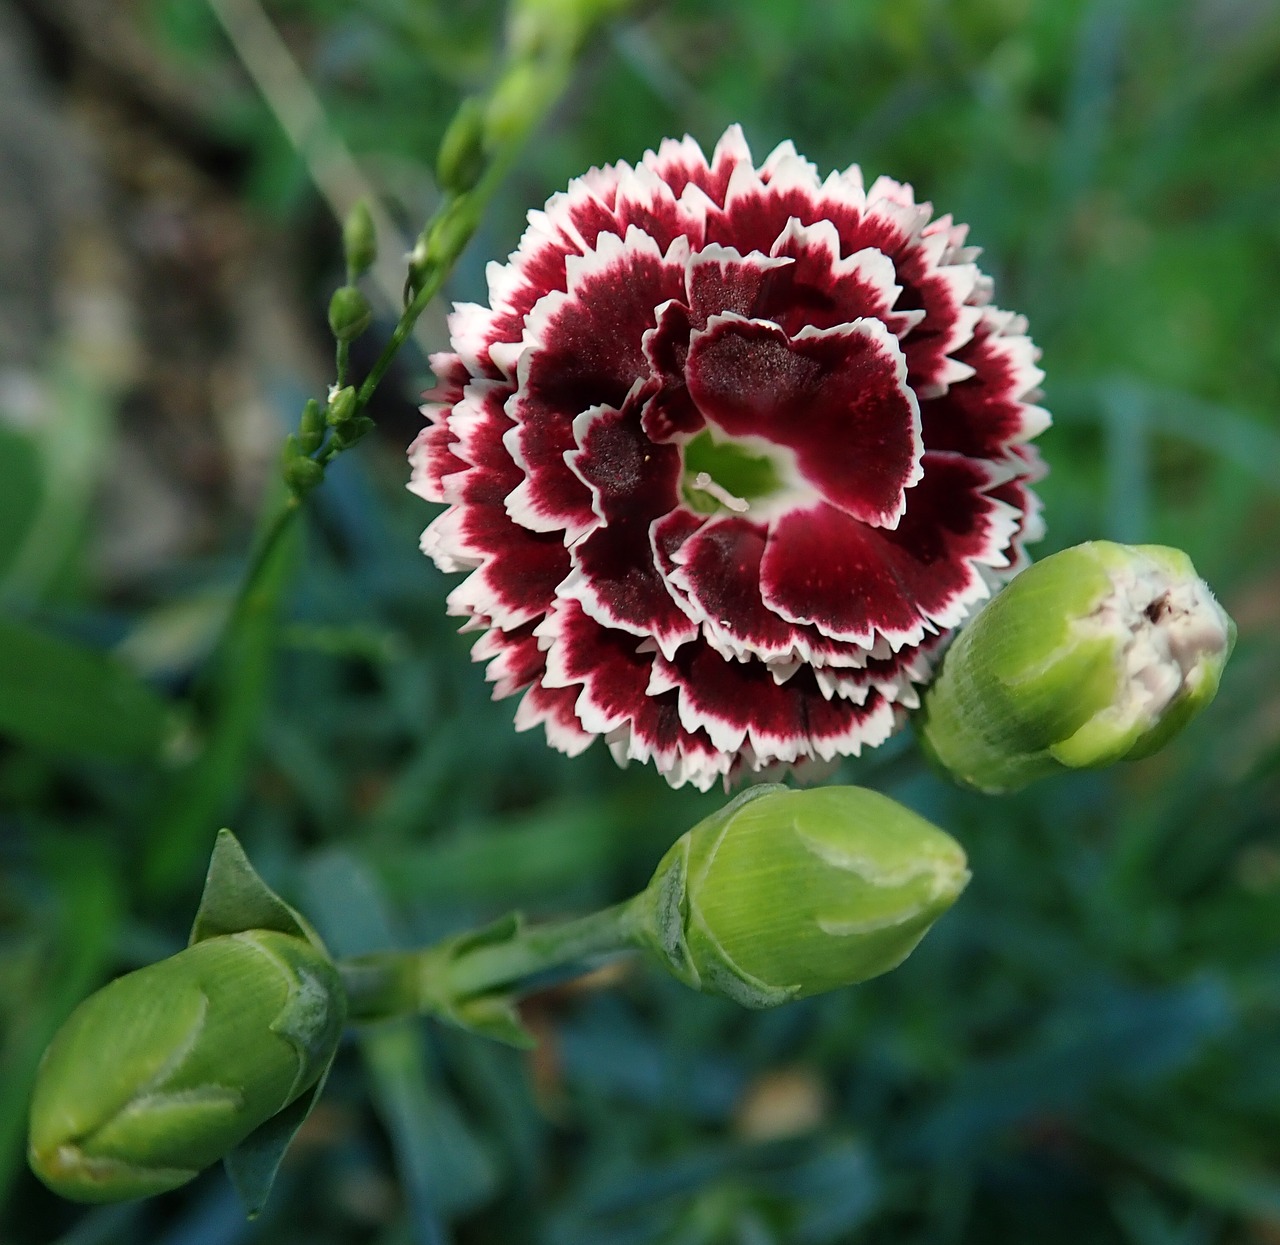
(835, 399)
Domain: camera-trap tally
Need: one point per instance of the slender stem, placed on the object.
(437, 978)
(540, 949)
(400, 334)
(272, 532)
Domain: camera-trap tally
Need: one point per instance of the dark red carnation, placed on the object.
(727, 457)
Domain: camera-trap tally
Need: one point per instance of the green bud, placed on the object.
(359, 241)
(342, 407)
(461, 160)
(449, 233)
(783, 894)
(345, 435)
(310, 427)
(349, 313)
(516, 103)
(303, 474)
(167, 1069)
(556, 27)
(1100, 653)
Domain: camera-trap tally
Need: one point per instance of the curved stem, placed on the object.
(436, 979)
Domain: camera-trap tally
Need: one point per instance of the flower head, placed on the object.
(728, 456)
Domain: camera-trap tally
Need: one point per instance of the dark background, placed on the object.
(1086, 1050)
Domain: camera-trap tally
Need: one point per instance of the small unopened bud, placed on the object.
(342, 407)
(346, 434)
(450, 232)
(542, 27)
(1100, 653)
(303, 474)
(782, 894)
(349, 313)
(359, 241)
(516, 103)
(461, 159)
(167, 1069)
(310, 427)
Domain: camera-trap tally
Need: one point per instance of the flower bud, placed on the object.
(538, 27)
(461, 159)
(517, 101)
(310, 427)
(342, 407)
(165, 1070)
(359, 241)
(782, 894)
(302, 474)
(349, 313)
(1100, 653)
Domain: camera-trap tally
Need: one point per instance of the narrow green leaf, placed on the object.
(60, 695)
(202, 795)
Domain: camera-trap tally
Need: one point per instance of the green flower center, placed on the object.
(724, 475)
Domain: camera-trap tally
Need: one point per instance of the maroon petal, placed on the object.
(452, 377)
(825, 568)
(681, 164)
(670, 413)
(719, 570)
(852, 581)
(517, 571)
(821, 289)
(668, 534)
(615, 699)
(740, 704)
(985, 414)
(583, 348)
(755, 212)
(836, 398)
(431, 456)
(514, 657)
(554, 709)
(721, 281)
(632, 482)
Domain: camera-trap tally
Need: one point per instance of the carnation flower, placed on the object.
(728, 456)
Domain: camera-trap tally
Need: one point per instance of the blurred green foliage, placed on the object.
(1085, 1049)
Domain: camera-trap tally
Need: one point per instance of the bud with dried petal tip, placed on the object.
(342, 407)
(165, 1070)
(1100, 653)
(349, 313)
(783, 894)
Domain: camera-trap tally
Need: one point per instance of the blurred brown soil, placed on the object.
(126, 255)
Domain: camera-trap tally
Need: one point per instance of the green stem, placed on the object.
(439, 977)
